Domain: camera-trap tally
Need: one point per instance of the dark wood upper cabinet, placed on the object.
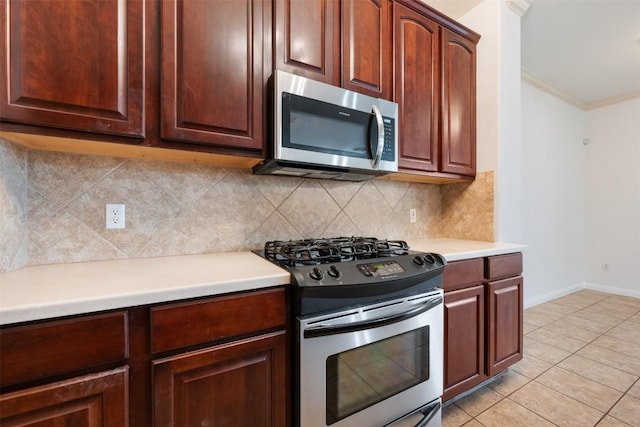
(416, 88)
(366, 47)
(74, 64)
(307, 39)
(434, 86)
(193, 75)
(345, 43)
(212, 76)
(458, 104)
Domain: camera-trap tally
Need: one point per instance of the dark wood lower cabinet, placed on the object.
(216, 361)
(504, 324)
(228, 385)
(94, 400)
(482, 320)
(464, 344)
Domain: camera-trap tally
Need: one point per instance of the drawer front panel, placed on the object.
(30, 352)
(184, 324)
(460, 274)
(501, 266)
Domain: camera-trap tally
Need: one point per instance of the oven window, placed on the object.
(364, 376)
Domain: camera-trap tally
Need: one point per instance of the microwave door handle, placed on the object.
(376, 158)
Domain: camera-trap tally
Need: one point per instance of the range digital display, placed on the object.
(381, 268)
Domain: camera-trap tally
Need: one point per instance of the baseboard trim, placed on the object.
(531, 302)
(612, 290)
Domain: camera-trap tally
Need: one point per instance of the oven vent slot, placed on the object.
(378, 307)
(339, 316)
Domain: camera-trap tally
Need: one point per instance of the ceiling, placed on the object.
(586, 52)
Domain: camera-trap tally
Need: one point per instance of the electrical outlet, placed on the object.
(605, 266)
(412, 216)
(115, 216)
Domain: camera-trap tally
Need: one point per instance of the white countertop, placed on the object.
(48, 291)
(456, 249)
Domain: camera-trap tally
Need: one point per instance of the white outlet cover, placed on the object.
(115, 216)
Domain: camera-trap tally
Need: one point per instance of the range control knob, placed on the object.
(334, 272)
(430, 259)
(417, 260)
(316, 274)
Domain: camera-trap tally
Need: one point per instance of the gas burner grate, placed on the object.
(294, 253)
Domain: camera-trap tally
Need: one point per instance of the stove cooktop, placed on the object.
(296, 253)
(350, 271)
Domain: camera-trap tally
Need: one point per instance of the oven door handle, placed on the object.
(428, 416)
(428, 411)
(329, 328)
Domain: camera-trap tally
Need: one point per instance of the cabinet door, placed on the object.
(504, 329)
(366, 47)
(464, 325)
(212, 80)
(416, 88)
(458, 151)
(74, 64)
(307, 34)
(95, 400)
(237, 384)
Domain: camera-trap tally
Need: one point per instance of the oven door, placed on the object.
(369, 366)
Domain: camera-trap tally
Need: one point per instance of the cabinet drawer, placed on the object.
(504, 266)
(184, 324)
(34, 351)
(460, 274)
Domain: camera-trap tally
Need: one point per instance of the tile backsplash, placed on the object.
(13, 206)
(52, 207)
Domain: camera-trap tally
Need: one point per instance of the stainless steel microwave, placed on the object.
(323, 131)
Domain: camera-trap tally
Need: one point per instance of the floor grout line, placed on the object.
(582, 312)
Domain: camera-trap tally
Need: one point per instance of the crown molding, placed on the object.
(610, 101)
(535, 80)
(519, 6)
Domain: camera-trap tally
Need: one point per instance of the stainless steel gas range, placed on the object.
(368, 332)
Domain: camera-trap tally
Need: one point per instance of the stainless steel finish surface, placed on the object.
(378, 156)
(429, 415)
(314, 352)
(298, 85)
(371, 316)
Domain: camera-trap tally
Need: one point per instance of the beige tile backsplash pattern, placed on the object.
(52, 207)
(13, 206)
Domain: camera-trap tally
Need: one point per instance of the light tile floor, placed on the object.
(581, 367)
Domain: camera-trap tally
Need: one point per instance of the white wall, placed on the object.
(484, 19)
(498, 109)
(553, 195)
(575, 206)
(613, 198)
